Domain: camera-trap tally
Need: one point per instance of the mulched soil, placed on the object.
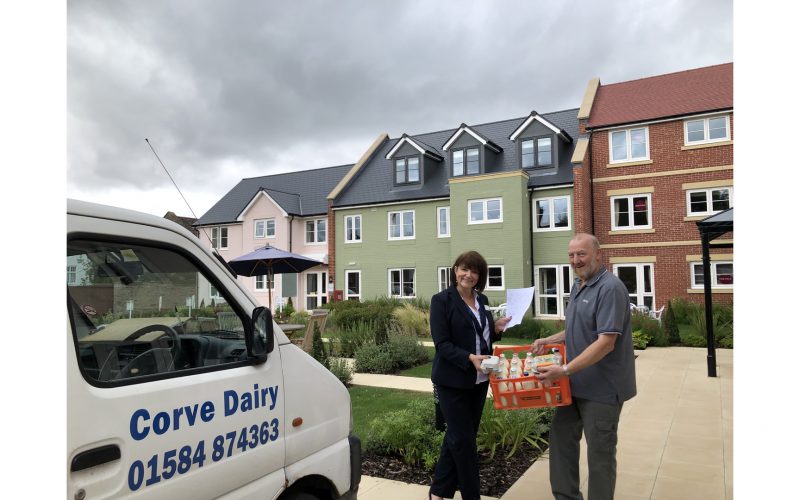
(497, 476)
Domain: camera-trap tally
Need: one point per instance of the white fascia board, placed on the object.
(458, 134)
(400, 143)
(539, 119)
(240, 217)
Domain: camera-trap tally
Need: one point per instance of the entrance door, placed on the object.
(638, 279)
(316, 294)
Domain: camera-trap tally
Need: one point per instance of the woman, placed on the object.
(463, 332)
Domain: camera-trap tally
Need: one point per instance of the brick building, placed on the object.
(656, 158)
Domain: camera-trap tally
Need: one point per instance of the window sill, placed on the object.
(630, 163)
(630, 231)
(706, 145)
(713, 290)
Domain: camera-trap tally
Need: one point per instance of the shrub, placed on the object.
(288, 309)
(373, 358)
(406, 352)
(299, 317)
(721, 322)
(379, 313)
(640, 339)
(411, 321)
(318, 350)
(341, 369)
(671, 325)
(409, 433)
(683, 309)
(693, 341)
(503, 429)
(532, 328)
(348, 340)
(651, 328)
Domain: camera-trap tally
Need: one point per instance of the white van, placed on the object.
(179, 385)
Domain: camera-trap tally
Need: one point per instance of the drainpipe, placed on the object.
(530, 232)
(591, 187)
(291, 218)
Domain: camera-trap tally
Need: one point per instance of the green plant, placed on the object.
(721, 323)
(406, 352)
(371, 358)
(651, 328)
(671, 325)
(378, 312)
(409, 433)
(532, 328)
(288, 308)
(683, 309)
(410, 320)
(693, 341)
(341, 369)
(507, 430)
(299, 317)
(640, 339)
(318, 350)
(348, 340)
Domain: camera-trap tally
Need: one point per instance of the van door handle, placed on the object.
(95, 456)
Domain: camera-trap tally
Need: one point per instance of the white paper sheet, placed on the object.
(518, 300)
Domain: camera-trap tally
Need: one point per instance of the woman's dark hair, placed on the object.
(475, 262)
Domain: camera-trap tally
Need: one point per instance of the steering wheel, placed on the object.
(156, 359)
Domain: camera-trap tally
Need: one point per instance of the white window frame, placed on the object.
(347, 294)
(260, 283)
(213, 292)
(439, 211)
(404, 160)
(265, 226)
(402, 283)
(463, 153)
(443, 272)
(72, 274)
(400, 215)
(551, 201)
(217, 237)
(502, 278)
(631, 226)
(562, 289)
(484, 202)
(316, 223)
(629, 155)
(641, 294)
(349, 236)
(714, 285)
(708, 191)
(706, 121)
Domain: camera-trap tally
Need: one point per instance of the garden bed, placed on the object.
(496, 476)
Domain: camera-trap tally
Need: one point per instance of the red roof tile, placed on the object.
(662, 96)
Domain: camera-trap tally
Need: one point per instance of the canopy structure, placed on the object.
(268, 261)
(710, 229)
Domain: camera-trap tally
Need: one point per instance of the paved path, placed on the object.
(675, 438)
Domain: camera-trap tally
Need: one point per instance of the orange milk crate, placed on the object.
(528, 392)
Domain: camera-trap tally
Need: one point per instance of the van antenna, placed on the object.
(170, 176)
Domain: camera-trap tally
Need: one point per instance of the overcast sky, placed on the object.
(231, 89)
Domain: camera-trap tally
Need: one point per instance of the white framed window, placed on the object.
(444, 278)
(629, 145)
(631, 212)
(552, 214)
(708, 201)
(213, 292)
(406, 170)
(352, 281)
(537, 152)
(401, 225)
(72, 275)
(264, 228)
(467, 161)
(638, 279)
(706, 130)
(496, 278)
(219, 237)
(553, 286)
(721, 274)
(316, 289)
(352, 229)
(262, 285)
(402, 283)
(316, 231)
(485, 211)
(443, 225)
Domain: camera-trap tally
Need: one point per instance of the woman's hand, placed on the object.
(476, 359)
(500, 324)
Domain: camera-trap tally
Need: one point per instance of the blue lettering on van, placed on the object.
(247, 401)
(141, 423)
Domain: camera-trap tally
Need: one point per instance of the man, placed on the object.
(598, 342)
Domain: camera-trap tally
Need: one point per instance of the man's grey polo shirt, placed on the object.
(602, 305)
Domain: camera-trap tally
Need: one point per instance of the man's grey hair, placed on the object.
(592, 238)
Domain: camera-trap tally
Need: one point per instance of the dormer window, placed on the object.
(406, 170)
(469, 156)
(537, 152)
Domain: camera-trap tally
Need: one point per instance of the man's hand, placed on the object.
(538, 346)
(476, 360)
(550, 373)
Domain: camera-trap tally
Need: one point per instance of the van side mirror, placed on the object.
(262, 336)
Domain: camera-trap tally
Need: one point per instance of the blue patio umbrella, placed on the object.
(268, 261)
